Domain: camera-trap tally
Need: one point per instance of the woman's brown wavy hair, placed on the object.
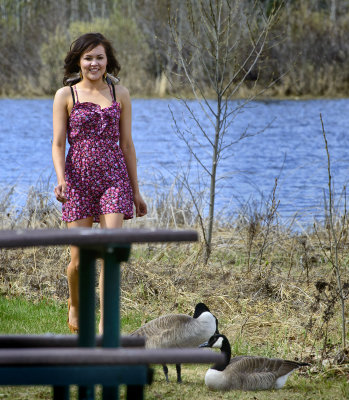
(84, 43)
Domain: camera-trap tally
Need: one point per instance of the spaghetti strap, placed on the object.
(76, 94)
(72, 95)
(112, 91)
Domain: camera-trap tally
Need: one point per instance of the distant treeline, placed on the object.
(307, 51)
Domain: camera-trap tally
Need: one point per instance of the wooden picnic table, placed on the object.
(87, 364)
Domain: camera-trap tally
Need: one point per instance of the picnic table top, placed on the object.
(100, 356)
(56, 341)
(88, 236)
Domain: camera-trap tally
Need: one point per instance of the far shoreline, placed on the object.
(189, 98)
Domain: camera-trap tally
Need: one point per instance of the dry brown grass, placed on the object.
(272, 307)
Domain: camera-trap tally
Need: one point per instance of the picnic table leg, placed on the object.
(61, 393)
(135, 392)
(111, 329)
(87, 323)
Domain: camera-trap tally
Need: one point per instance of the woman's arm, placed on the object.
(128, 149)
(60, 119)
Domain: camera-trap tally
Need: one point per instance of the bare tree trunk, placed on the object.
(74, 10)
(333, 12)
(208, 247)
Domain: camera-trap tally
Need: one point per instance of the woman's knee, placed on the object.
(74, 259)
(73, 265)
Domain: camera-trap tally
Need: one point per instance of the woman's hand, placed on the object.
(60, 192)
(141, 207)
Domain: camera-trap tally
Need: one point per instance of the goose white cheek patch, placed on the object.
(218, 343)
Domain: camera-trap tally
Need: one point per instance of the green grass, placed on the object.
(18, 315)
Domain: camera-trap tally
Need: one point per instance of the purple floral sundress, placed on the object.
(95, 168)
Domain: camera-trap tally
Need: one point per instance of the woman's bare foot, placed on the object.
(73, 321)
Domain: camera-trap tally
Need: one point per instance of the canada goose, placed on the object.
(179, 330)
(247, 372)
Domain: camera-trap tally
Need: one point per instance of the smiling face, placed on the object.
(93, 63)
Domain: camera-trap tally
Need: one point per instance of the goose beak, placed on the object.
(203, 345)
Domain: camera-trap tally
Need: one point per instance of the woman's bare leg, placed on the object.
(73, 272)
(107, 221)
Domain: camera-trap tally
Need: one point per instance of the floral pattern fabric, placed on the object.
(95, 169)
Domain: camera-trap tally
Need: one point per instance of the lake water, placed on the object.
(290, 146)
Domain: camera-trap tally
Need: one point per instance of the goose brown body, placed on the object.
(179, 330)
(176, 330)
(247, 372)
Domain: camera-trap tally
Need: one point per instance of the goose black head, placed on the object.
(219, 342)
(199, 309)
(216, 341)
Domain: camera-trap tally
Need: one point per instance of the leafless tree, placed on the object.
(218, 44)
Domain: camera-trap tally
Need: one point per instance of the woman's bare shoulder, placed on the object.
(122, 91)
(123, 95)
(63, 93)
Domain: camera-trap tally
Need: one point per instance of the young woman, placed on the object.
(97, 182)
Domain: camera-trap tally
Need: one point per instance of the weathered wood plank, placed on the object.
(75, 375)
(50, 340)
(110, 356)
(86, 236)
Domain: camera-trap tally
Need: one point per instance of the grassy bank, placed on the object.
(272, 290)
(18, 315)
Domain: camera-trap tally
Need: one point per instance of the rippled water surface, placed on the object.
(289, 146)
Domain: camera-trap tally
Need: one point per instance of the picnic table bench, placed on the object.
(89, 359)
